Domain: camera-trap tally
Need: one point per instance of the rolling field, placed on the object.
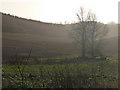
(46, 39)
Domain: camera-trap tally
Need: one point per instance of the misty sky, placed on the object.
(60, 10)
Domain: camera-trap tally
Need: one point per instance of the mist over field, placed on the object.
(59, 44)
(37, 54)
(47, 39)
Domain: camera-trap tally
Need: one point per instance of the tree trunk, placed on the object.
(84, 43)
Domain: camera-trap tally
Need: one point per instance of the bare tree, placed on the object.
(88, 32)
(82, 22)
(96, 33)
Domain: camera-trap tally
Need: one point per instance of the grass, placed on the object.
(103, 74)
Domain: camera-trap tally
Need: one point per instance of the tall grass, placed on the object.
(78, 75)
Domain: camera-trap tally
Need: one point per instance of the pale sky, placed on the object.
(60, 10)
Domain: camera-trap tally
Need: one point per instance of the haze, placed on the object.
(57, 11)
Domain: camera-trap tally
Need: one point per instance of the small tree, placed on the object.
(89, 32)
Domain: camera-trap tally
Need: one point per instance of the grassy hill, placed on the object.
(45, 39)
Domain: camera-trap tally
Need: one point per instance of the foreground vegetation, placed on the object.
(82, 74)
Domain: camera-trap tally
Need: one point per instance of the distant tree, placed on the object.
(89, 32)
(112, 22)
(60, 22)
(66, 22)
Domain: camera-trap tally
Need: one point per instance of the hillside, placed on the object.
(45, 39)
(19, 35)
(111, 46)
